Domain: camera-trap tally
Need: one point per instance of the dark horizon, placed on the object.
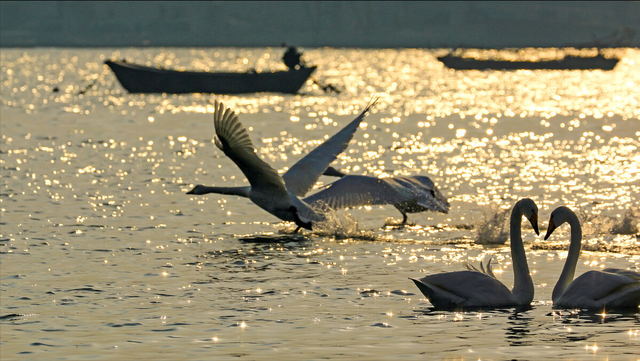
(311, 24)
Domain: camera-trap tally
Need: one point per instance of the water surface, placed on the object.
(104, 256)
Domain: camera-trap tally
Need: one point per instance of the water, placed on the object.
(104, 256)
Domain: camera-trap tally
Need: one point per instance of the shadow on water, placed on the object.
(519, 329)
(437, 311)
(284, 239)
(569, 316)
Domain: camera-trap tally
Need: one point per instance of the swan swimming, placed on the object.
(609, 288)
(411, 194)
(472, 288)
(268, 190)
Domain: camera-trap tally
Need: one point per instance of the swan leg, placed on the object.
(299, 222)
(404, 218)
(297, 229)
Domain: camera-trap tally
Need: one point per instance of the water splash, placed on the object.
(630, 223)
(492, 228)
(338, 225)
(598, 224)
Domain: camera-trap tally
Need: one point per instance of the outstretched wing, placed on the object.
(301, 177)
(233, 139)
(358, 190)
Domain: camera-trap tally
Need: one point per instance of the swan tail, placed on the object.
(490, 269)
(439, 297)
(470, 267)
(487, 271)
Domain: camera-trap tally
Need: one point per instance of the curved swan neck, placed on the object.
(523, 284)
(569, 269)
(236, 191)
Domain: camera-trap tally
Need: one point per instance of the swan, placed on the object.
(609, 288)
(472, 288)
(411, 194)
(276, 194)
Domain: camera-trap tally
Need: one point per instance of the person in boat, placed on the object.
(292, 58)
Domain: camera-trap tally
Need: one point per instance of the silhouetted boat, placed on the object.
(566, 63)
(143, 79)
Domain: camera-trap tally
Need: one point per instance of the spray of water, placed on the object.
(602, 233)
(492, 228)
(599, 224)
(338, 225)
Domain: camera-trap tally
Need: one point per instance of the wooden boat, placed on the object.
(143, 79)
(566, 63)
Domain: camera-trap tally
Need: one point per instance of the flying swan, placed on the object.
(471, 288)
(609, 288)
(411, 194)
(268, 190)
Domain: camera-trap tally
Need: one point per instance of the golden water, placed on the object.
(103, 256)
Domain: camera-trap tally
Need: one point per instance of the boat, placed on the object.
(143, 79)
(566, 63)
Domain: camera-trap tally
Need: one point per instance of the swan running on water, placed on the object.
(609, 288)
(412, 194)
(268, 190)
(464, 289)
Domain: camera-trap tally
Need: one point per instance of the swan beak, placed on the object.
(534, 223)
(552, 226)
(191, 191)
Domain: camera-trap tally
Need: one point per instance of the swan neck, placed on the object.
(569, 269)
(235, 191)
(523, 284)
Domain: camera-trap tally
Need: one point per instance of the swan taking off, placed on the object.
(609, 288)
(268, 190)
(472, 288)
(412, 194)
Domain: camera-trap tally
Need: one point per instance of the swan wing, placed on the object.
(596, 289)
(232, 138)
(303, 175)
(358, 190)
(623, 272)
(469, 289)
(626, 296)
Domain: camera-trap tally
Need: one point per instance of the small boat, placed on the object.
(143, 79)
(566, 63)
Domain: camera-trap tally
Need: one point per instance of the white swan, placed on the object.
(609, 288)
(411, 194)
(268, 190)
(471, 288)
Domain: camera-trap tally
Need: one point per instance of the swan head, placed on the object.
(199, 189)
(530, 210)
(438, 200)
(558, 217)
